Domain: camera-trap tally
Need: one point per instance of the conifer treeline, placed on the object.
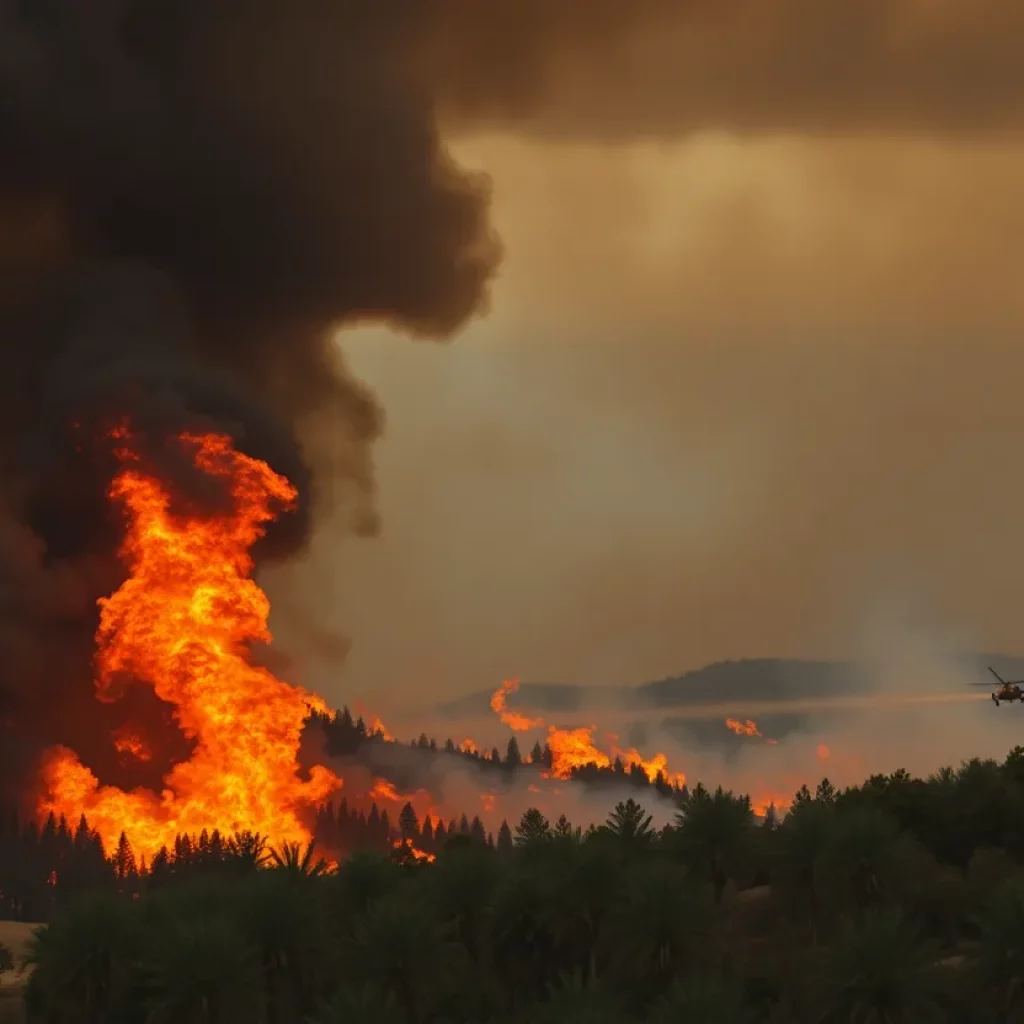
(43, 867)
(345, 736)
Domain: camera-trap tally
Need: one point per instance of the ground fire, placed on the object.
(574, 748)
(182, 623)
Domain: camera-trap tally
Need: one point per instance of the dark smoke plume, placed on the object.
(196, 193)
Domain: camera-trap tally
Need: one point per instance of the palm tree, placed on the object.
(630, 824)
(289, 922)
(462, 889)
(84, 962)
(799, 849)
(998, 962)
(583, 881)
(201, 970)
(524, 949)
(661, 925)
(399, 946)
(366, 876)
(703, 999)
(298, 860)
(714, 835)
(248, 850)
(879, 970)
(574, 1000)
(870, 862)
(356, 1006)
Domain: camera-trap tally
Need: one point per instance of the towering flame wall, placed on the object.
(182, 623)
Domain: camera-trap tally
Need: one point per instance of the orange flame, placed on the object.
(574, 748)
(182, 622)
(421, 800)
(487, 801)
(760, 804)
(747, 728)
(384, 790)
(513, 719)
(128, 742)
(414, 851)
(469, 747)
(378, 727)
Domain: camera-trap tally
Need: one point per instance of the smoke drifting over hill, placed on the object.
(196, 194)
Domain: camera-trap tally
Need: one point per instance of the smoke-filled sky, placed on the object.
(744, 379)
(736, 396)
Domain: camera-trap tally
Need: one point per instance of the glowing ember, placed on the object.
(129, 743)
(747, 728)
(182, 623)
(514, 720)
(417, 854)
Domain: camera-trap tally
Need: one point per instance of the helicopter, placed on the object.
(1008, 691)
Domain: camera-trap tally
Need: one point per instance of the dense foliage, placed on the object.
(899, 901)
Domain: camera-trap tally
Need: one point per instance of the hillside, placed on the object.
(760, 679)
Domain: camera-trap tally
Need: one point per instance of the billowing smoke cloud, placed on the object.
(196, 193)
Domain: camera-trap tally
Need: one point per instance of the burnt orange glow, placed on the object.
(414, 851)
(762, 802)
(513, 719)
(469, 747)
(129, 743)
(823, 752)
(377, 728)
(747, 728)
(575, 748)
(487, 801)
(384, 790)
(182, 623)
(421, 801)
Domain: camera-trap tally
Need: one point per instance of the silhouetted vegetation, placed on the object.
(346, 736)
(900, 900)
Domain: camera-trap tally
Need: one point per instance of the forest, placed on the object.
(900, 900)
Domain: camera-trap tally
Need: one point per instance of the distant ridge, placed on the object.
(747, 679)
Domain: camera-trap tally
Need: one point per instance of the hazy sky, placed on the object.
(732, 397)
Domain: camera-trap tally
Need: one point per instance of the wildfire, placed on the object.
(574, 748)
(129, 743)
(747, 728)
(377, 728)
(182, 623)
(421, 801)
(413, 851)
(513, 719)
(469, 747)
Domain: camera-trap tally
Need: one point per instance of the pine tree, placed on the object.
(504, 838)
(124, 860)
(477, 831)
(408, 824)
(513, 759)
